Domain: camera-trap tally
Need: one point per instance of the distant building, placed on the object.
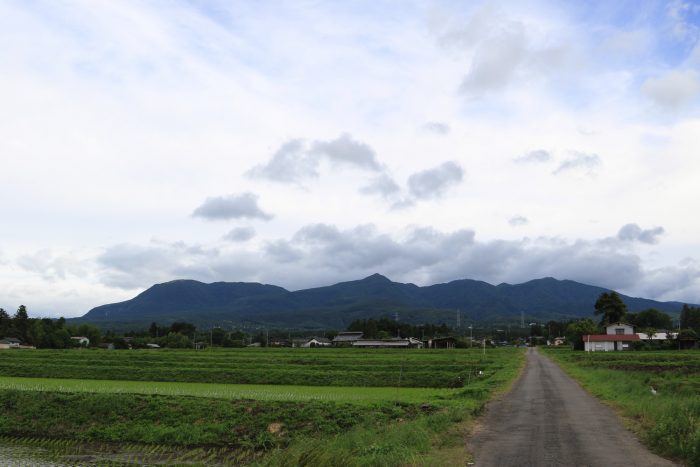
(317, 342)
(395, 343)
(80, 340)
(10, 343)
(440, 343)
(344, 339)
(660, 335)
(280, 342)
(618, 336)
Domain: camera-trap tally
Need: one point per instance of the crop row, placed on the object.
(408, 369)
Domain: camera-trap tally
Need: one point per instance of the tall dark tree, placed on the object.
(4, 323)
(611, 307)
(21, 322)
(153, 330)
(690, 318)
(651, 318)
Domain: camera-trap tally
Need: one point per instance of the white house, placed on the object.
(618, 336)
(317, 342)
(10, 343)
(81, 340)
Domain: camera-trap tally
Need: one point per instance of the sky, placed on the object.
(304, 143)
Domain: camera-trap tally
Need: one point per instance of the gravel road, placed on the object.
(547, 419)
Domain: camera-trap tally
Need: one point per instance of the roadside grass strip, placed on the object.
(230, 391)
(667, 418)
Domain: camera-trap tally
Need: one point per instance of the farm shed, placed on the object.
(396, 343)
(346, 338)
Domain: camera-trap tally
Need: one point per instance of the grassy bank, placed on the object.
(668, 422)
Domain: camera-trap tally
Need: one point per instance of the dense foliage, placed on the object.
(690, 318)
(384, 328)
(44, 332)
(611, 308)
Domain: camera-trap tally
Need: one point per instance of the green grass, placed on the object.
(364, 407)
(668, 422)
(304, 367)
(231, 391)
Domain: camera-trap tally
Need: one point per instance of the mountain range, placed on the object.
(335, 306)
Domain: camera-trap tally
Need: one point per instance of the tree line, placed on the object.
(385, 328)
(612, 309)
(44, 332)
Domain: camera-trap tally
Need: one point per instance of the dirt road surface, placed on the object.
(547, 419)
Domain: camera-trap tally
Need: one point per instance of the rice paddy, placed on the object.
(248, 406)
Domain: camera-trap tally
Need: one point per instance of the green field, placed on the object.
(232, 391)
(668, 422)
(304, 367)
(257, 406)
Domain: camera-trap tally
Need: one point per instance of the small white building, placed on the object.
(81, 340)
(658, 336)
(618, 336)
(10, 343)
(317, 342)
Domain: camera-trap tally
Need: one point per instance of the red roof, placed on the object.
(610, 337)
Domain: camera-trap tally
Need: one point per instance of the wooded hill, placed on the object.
(335, 306)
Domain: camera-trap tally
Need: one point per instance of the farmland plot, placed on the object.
(380, 407)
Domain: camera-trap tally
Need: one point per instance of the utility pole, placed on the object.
(522, 320)
(471, 336)
(459, 319)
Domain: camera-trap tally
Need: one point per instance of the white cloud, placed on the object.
(438, 128)
(244, 205)
(517, 221)
(240, 234)
(433, 183)
(632, 232)
(320, 254)
(143, 111)
(673, 90)
(579, 162)
(537, 156)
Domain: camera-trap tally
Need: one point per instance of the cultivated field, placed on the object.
(256, 406)
(307, 367)
(668, 421)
